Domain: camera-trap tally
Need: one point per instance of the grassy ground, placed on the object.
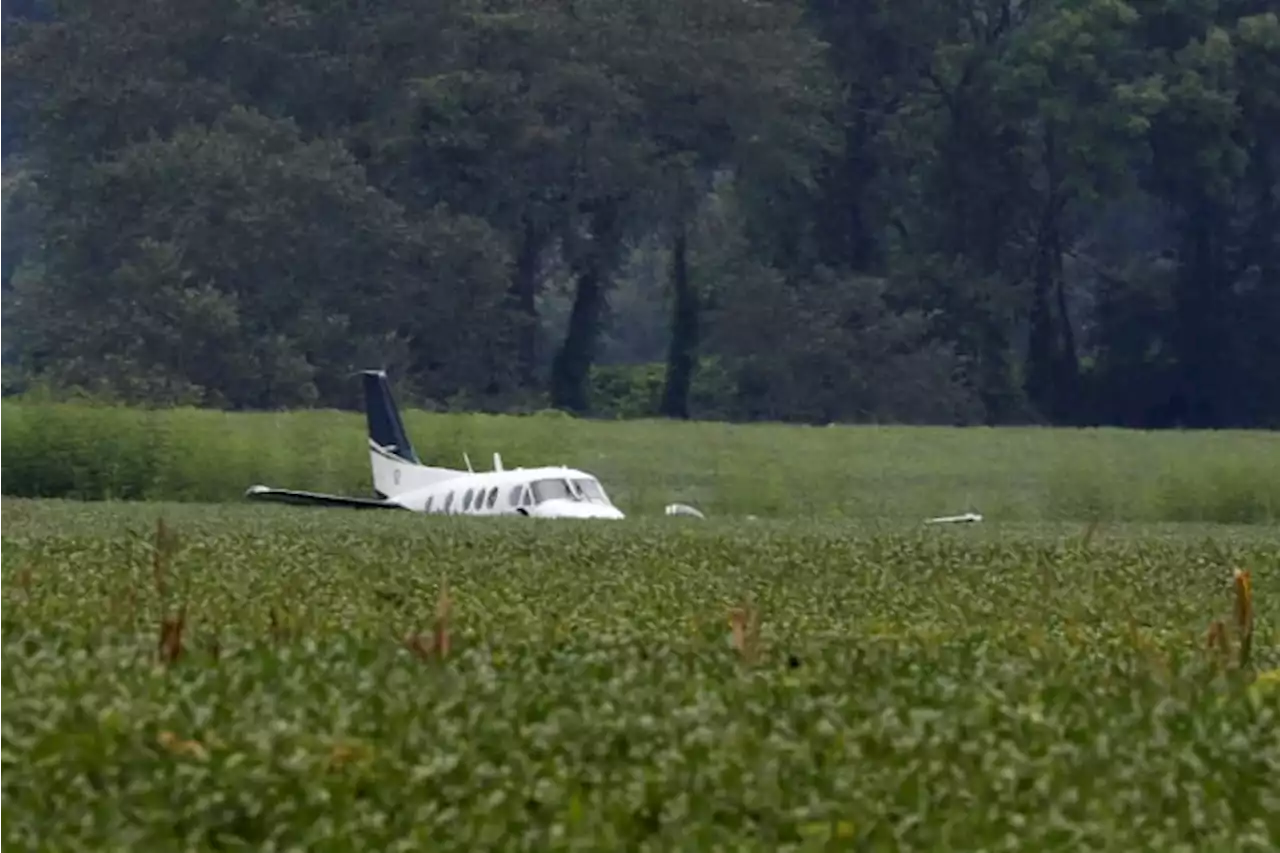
(1015, 686)
(765, 470)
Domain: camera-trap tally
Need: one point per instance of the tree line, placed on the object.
(942, 211)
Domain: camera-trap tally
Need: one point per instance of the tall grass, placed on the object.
(92, 452)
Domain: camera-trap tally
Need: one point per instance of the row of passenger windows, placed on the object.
(476, 499)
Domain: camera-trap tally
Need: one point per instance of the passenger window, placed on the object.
(493, 497)
(448, 502)
(429, 500)
(466, 501)
(515, 496)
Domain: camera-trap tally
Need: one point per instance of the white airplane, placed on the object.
(401, 481)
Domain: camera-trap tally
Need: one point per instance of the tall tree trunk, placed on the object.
(1269, 223)
(1055, 362)
(682, 354)
(1261, 309)
(1201, 340)
(1053, 369)
(524, 291)
(571, 368)
(845, 235)
(1068, 361)
(1040, 345)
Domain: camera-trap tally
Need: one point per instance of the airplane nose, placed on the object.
(573, 509)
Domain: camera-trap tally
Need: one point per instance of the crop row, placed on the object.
(332, 681)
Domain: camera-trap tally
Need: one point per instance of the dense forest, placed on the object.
(919, 211)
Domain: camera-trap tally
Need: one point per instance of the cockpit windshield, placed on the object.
(579, 489)
(550, 490)
(590, 490)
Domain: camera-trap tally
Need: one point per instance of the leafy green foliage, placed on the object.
(635, 391)
(923, 690)
(235, 251)
(913, 211)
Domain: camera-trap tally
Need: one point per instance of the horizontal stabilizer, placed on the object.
(967, 518)
(297, 498)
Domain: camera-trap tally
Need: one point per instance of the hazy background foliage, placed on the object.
(886, 211)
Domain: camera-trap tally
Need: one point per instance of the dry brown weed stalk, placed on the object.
(182, 746)
(163, 547)
(171, 630)
(1219, 640)
(744, 623)
(23, 580)
(438, 644)
(275, 627)
(169, 646)
(1244, 614)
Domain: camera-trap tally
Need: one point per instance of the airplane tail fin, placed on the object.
(396, 466)
(386, 429)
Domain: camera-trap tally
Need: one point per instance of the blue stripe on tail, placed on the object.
(385, 427)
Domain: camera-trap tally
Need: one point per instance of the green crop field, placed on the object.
(275, 678)
(810, 668)
(767, 470)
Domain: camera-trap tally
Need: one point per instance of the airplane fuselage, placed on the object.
(402, 482)
(552, 492)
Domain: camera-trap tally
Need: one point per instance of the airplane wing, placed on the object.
(298, 498)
